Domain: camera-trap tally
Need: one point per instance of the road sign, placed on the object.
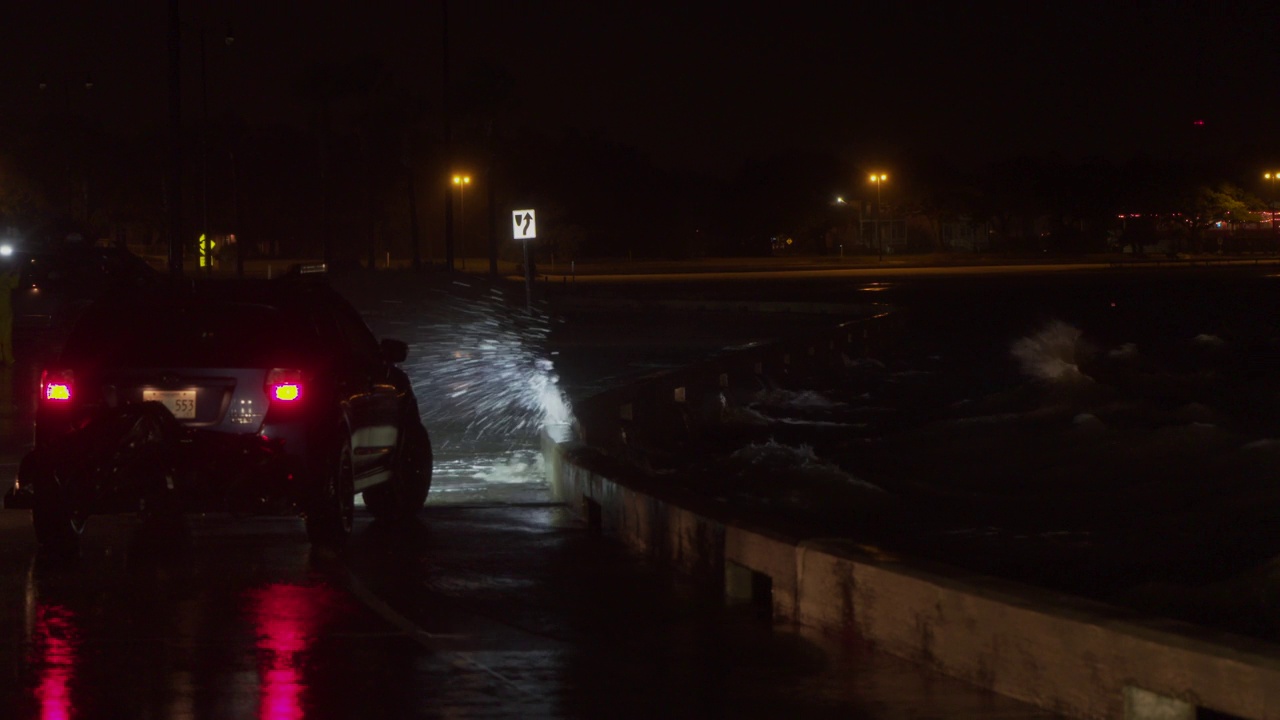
(523, 225)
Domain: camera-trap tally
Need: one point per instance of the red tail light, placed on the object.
(56, 385)
(284, 385)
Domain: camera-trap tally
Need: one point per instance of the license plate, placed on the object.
(182, 403)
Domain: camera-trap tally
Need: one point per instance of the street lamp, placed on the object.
(879, 179)
(461, 182)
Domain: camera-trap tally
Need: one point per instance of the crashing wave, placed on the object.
(1052, 354)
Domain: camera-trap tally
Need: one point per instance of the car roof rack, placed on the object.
(307, 269)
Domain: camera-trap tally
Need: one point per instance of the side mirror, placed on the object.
(393, 351)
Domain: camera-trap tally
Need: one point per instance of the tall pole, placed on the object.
(448, 133)
(235, 213)
(462, 181)
(1271, 181)
(233, 138)
(206, 249)
(878, 179)
(493, 224)
(175, 142)
(1274, 176)
(414, 241)
(528, 275)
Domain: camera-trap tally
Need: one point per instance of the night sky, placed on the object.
(707, 86)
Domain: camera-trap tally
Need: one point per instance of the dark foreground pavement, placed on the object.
(481, 611)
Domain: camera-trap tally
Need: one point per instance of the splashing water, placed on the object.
(799, 399)
(481, 368)
(1051, 354)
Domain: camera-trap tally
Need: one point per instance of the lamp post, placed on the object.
(879, 179)
(840, 201)
(1271, 179)
(461, 182)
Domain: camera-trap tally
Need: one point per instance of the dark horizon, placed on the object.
(710, 88)
(635, 128)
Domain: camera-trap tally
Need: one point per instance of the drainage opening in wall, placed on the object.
(1207, 714)
(746, 588)
(591, 511)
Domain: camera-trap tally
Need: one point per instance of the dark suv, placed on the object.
(248, 396)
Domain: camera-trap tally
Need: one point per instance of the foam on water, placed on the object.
(821, 423)
(1052, 354)
(1127, 351)
(807, 399)
(735, 415)
(784, 459)
(861, 363)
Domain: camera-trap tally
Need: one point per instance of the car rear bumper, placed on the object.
(121, 460)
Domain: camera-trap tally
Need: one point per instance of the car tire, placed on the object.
(57, 529)
(331, 511)
(405, 493)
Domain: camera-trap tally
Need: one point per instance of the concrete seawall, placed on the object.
(1074, 656)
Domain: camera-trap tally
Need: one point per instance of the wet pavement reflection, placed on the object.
(53, 642)
(288, 619)
(494, 611)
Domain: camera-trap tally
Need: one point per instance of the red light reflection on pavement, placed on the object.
(54, 647)
(287, 620)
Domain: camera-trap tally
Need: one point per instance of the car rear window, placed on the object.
(210, 334)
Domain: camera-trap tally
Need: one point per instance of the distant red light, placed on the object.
(1198, 123)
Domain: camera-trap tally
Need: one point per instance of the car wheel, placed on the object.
(406, 492)
(332, 509)
(57, 528)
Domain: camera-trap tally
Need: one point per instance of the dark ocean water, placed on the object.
(1110, 435)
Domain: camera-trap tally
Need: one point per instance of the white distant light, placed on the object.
(6, 250)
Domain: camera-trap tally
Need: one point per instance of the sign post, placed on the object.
(524, 228)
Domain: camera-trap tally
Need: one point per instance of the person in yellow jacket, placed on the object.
(8, 283)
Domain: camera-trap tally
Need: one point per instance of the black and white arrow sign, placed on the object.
(524, 225)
